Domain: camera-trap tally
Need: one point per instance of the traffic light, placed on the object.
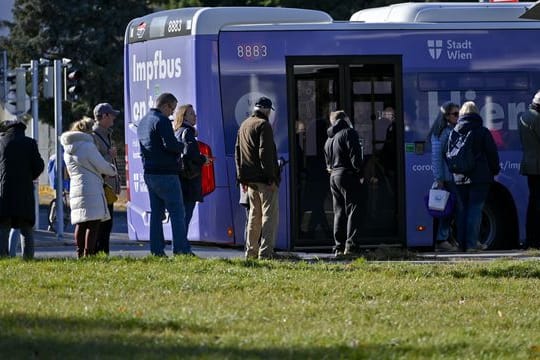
(16, 92)
(73, 85)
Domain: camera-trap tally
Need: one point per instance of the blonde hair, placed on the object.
(468, 107)
(84, 125)
(180, 114)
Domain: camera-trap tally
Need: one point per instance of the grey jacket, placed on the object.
(103, 141)
(529, 133)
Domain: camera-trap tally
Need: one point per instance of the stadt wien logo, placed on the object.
(435, 48)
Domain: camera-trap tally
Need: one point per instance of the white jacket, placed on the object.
(86, 168)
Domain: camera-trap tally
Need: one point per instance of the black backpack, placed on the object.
(459, 153)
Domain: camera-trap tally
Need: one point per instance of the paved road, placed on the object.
(48, 246)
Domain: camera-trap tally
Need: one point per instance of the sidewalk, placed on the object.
(48, 246)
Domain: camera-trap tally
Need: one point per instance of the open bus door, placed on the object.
(368, 88)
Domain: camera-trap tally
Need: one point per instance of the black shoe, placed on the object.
(446, 246)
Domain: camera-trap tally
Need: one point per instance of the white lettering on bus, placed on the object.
(459, 50)
(157, 69)
(139, 110)
(422, 167)
(493, 113)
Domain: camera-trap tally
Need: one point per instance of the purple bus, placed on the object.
(404, 60)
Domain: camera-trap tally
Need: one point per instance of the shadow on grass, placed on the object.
(48, 337)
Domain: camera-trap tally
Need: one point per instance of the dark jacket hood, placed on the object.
(468, 122)
(337, 127)
(12, 125)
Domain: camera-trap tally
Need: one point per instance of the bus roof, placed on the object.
(206, 20)
(444, 12)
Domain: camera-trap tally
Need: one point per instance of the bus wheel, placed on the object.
(498, 230)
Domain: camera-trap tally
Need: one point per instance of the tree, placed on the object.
(340, 10)
(90, 33)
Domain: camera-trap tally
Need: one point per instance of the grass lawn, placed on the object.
(191, 308)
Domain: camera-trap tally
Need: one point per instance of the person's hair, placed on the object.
(84, 125)
(337, 115)
(164, 99)
(180, 114)
(468, 107)
(440, 122)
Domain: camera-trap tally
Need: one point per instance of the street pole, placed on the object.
(34, 68)
(59, 157)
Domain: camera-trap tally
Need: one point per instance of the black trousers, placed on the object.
(346, 196)
(533, 212)
(104, 233)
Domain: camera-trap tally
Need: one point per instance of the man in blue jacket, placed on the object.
(159, 152)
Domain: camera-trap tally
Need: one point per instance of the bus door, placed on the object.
(369, 90)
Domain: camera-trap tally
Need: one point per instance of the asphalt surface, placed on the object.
(48, 245)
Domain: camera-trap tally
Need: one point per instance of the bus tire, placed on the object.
(498, 230)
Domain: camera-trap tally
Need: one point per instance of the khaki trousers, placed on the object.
(262, 220)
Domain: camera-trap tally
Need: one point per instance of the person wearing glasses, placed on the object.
(443, 179)
(104, 116)
(159, 152)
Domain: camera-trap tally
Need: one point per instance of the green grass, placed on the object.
(192, 308)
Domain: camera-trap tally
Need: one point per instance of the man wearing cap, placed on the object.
(258, 172)
(104, 115)
(529, 133)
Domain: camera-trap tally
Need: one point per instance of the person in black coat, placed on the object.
(529, 134)
(344, 162)
(184, 131)
(20, 165)
(473, 188)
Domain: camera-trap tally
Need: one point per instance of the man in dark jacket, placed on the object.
(529, 133)
(160, 152)
(344, 162)
(20, 165)
(258, 171)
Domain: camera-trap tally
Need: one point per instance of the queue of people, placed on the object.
(172, 171)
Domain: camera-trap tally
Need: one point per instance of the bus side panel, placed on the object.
(154, 67)
(438, 66)
(213, 218)
(246, 76)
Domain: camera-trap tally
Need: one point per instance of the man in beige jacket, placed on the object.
(258, 171)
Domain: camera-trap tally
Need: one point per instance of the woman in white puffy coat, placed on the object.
(86, 167)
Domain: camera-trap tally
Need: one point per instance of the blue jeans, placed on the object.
(471, 200)
(189, 206)
(165, 192)
(9, 239)
(443, 231)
